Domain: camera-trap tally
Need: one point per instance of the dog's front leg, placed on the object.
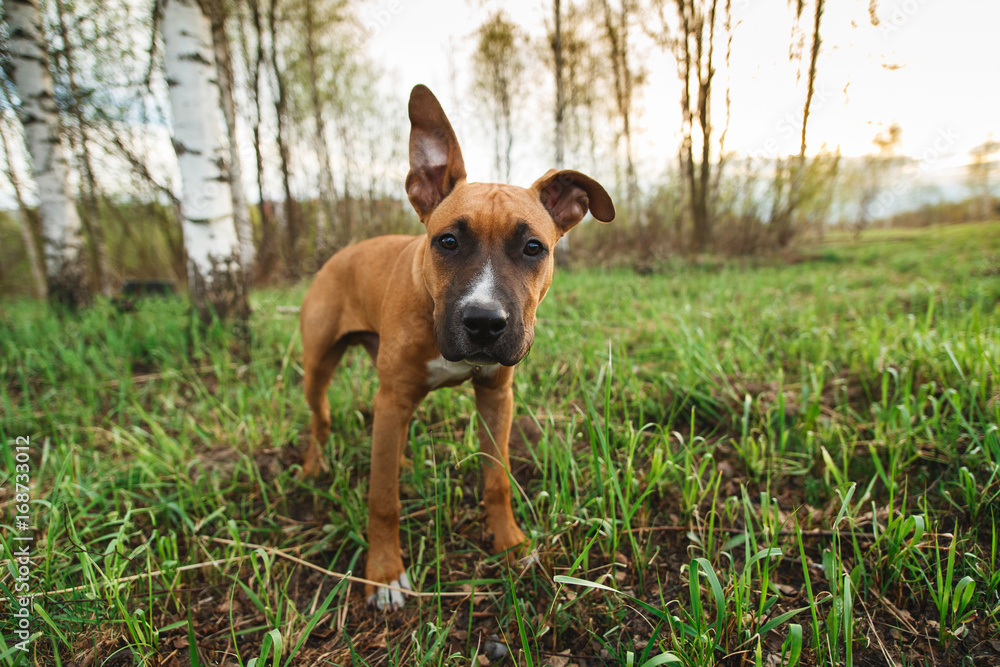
(393, 410)
(495, 403)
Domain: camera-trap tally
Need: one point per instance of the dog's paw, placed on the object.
(387, 599)
(511, 542)
(313, 468)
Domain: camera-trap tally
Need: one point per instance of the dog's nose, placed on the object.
(483, 325)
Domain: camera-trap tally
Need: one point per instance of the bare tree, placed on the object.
(581, 68)
(254, 57)
(62, 237)
(92, 218)
(695, 55)
(325, 218)
(789, 174)
(218, 15)
(560, 110)
(293, 225)
(558, 63)
(498, 69)
(871, 179)
(575, 69)
(616, 25)
(216, 279)
(982, 166)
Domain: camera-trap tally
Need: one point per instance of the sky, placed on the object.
(932, 66)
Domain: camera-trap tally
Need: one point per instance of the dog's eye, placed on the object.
(533, 248)
(448, 242)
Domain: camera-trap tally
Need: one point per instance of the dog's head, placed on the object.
(489, 255)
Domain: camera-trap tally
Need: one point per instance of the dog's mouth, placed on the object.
(456, 345)
(482, 359)
(456, 353)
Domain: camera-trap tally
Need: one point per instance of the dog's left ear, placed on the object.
(567, 195)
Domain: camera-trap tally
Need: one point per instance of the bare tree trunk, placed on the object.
(705, 76)
(687, 118)
(562, 247)
(65, 259)
(811, 85)
(292, 223)
(789, 177)
(216, 279)
(267, 255)
(720, 166)
(497, 74)
(557, 52)
(695, 60)
(92, 219)
(348, 199)
(23, 218)
(616, 33)
(626, 110)
(506, 106)
(325, 210)
(224, 64)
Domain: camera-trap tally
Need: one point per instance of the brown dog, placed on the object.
(436, 310)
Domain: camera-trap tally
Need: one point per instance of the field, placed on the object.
(778, 462)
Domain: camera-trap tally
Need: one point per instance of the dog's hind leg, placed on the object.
(318, 372)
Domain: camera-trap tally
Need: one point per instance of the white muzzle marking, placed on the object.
(483, 290)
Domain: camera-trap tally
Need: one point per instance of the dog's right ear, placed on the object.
(436, 163)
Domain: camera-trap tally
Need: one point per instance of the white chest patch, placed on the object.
(442, 372)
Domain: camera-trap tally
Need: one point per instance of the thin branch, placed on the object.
(155, 27)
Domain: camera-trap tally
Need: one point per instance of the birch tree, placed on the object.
(23, 214)
(216, 280)
(62, 237)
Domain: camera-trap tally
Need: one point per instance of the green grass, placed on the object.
(767, 463)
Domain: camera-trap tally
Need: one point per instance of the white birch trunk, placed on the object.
(23, 221)
(65, 259)
(215, 276)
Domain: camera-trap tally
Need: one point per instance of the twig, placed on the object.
(143, 170)
(871, 624)
(741, 531)
(894, 611)
(144, 575)
(140, 379)
(348, 577)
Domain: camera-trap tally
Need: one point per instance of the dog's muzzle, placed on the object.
(482, 334)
